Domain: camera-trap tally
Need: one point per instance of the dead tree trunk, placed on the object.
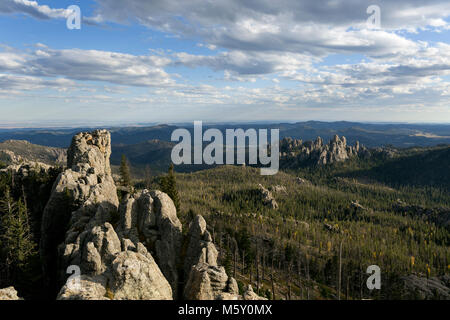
(271, 279)
(340, 271)
(307, 276)
(289, 282)
(235, 262)
(243, 262)
(263, 262)
(257, 269)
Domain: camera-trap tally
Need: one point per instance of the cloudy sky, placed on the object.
(140, 61)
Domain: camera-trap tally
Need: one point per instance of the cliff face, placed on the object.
(83, 197)
(131, 250)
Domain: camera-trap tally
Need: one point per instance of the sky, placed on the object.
(169, 61)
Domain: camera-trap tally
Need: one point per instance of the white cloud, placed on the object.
(33, 9)
(88, 65)
(298, 26)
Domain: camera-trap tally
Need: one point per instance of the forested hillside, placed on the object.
(308, 232)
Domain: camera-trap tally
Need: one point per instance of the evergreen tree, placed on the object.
(18, 246)
(125, 171)
(227, 263)
(169, 186)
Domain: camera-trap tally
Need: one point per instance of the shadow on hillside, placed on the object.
(430, 168)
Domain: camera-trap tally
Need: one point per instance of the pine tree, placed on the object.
(169, 186)
(18, 246)
(125, 172)
(227, 263)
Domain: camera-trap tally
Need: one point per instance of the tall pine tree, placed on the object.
(17, 245)
(125, 172)
(169, 186)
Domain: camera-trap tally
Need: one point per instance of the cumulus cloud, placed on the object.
(298, 26)
(32, 8)
(246, 63)
(88, 65)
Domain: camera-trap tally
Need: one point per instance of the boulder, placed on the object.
(249, 294)
(205, 282)
(136, 276)
(88, 288)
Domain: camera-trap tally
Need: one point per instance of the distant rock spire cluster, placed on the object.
(316, 151)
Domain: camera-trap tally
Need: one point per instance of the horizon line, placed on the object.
(113, 124)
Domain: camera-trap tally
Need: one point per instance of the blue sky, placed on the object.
(141, 61)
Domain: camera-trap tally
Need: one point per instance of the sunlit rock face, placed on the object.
(131, 250)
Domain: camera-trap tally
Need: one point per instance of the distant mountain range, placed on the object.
(370, 135)
(152, 146)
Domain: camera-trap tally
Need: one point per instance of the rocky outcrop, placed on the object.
(357, 207)
(279, 189)
(206, 280)
(132, 250)
(302, 181)
(249, 294)
(8, 157)
(101, 239)
(421, 288)
(151, 217)
(319, 153)
(86, 288)
(267, 197)
(9, 294)
(20, 151)
(84, 196)
(439, 215)
(23, 170)
(331, 228)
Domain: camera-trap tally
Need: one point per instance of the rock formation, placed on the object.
(9, 157)
(132, 250)
(357, 207)
(422, 288)
(23, 170)
(267, 197)
(302, 181)
(319, 153)
(206, 280)
(279, 189)
(9, 294)
(19, 151)
(83, 197)
(151, 217)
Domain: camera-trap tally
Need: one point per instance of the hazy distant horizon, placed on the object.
(63, 125)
